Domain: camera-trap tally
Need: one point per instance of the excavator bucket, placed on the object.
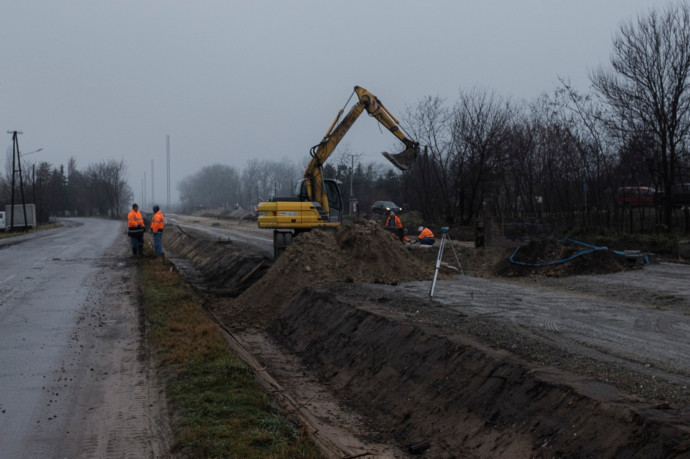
(403, 160)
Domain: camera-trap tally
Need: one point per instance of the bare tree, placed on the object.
(212, 187)
(435, 178)
(107, 186)
(647, 90)
(481, 130)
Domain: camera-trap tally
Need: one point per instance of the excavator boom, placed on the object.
(405, 159)
(315, 196)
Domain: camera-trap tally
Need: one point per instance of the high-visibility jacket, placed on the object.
(158, 222)
(426, 234)
(134, 219)
(396, 223)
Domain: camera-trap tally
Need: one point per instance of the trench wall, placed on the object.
(215, 265)
(466, 399)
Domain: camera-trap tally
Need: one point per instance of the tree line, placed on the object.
(99, 190)
(563, 154)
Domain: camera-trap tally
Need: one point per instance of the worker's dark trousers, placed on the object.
(137, 244)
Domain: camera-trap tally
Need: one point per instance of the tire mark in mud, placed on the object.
(330, 426)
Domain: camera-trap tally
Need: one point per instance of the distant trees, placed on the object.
(647, 91)
(100, 190)
(211, 187)
(563, 155)
(108, 184)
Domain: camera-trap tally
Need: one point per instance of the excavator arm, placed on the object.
(310, 206)
(336, 132)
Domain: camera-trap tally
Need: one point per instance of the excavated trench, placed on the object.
(221, 266)
(414, 379)
(466, 398)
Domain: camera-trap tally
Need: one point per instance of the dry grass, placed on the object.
(218, 408)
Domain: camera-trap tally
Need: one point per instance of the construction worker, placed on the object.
(426, 237)
(393, 221)
(135, 230)
(157, 225)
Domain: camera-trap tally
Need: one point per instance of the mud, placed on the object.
(349, 308)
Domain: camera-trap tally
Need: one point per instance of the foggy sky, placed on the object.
(231, 81)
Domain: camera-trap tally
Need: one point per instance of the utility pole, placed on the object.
(153, 192)
(167, 153)
(352, 200)
(17, 167)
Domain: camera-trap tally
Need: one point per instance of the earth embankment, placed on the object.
(470, 383)
(470, 399)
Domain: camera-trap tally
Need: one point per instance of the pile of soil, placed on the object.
(364, 252)
(360, 252)
(554, 258)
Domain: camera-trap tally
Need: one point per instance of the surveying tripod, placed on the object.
(444, 237)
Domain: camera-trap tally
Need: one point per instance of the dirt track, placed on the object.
(535, 367)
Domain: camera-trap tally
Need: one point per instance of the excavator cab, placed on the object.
(405, 159)
(335, 200)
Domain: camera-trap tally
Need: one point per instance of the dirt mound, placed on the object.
(362, 251)
(560, 258)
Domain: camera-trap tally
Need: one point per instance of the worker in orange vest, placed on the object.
(157, 225)
(393, 221)
(426, 237)
(135, 230)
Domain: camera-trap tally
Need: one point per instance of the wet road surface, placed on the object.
(69, 344)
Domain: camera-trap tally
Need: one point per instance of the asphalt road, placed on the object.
(72, 384)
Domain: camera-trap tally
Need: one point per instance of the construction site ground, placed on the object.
(589, 358)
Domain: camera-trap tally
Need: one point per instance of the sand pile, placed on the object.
(353, 253)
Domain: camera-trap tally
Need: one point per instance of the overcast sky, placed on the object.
(231, 81)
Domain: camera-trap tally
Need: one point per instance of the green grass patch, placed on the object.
(219, 410)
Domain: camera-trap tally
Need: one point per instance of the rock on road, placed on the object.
(75, 380)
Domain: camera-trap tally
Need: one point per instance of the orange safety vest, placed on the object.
(426, 233)
(135, 219)
(396, 221)
(158, 222)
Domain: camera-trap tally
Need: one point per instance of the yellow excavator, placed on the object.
(317, 201)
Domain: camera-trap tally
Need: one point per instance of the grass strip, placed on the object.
(218, 409)
(45, 226)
